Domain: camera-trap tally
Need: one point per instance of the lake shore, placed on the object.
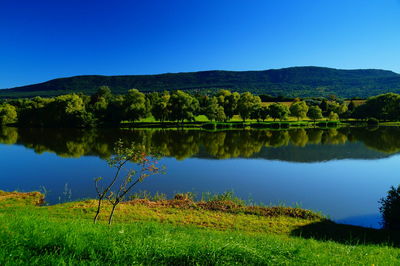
(181, 231)
(250, 124)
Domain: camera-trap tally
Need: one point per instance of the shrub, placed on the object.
(390, 209)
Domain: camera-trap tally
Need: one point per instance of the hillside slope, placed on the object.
(294, 81)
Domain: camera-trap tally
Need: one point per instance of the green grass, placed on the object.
(159, 235)
(201, 122)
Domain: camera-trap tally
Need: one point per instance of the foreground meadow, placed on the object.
(182, 232)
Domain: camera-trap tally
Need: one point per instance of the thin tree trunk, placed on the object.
(102, 195)
(98, 210)
(111, 214)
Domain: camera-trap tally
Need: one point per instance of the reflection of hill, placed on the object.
(298, 145)
(319, 153)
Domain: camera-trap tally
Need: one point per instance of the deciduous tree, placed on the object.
(299, 109)
(314, 113)
(247, 104)
(278, 111)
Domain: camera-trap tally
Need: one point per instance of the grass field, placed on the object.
(182, 232)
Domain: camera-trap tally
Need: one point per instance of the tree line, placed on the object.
(182, 144)
(104, 108)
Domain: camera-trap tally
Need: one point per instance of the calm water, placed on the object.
(342, 173)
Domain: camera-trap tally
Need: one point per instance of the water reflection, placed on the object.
(299, 145)
(346, 190)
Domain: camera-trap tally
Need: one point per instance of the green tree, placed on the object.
(8, 114)
(220, 116)
(136, 105)
(229, 101)
(256, 114)
(342, 109)
(116, 110)
(383, 107)
(390, 209)
(333, 116)
(160, 110)
(314, 113)
(211, 109)
(351, 106)
(264, 112)
(324, 105)
(99, 103)
(299, 109)
(183, 106)
(335, 107)
(247, 104)
(278, 111)
(32, 112)
(104, 92)
(67, 111)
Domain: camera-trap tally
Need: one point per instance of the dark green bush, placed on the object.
(390, 209)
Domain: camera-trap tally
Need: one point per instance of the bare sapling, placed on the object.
(132, 165)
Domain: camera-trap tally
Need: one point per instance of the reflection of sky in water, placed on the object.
(346, 190)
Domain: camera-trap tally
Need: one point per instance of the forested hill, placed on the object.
(294, 81)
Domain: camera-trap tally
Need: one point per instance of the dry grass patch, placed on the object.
(20, 198)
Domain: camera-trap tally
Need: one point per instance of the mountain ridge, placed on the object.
(302, 81)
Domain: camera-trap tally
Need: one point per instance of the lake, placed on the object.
(340, 172)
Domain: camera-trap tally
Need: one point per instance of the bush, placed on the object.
(390, 209)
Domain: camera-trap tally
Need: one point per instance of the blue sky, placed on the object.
(46, 39)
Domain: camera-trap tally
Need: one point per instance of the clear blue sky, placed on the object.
(45, 39)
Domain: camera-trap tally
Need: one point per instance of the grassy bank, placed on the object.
(201, 122)
(181, 231)
(235, 124)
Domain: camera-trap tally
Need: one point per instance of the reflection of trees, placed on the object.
(315, 136)
(180, 144)
(277, 138)
(215, 144)
(298, 137)
(384, 139)
(183, 144)
(333, 136)
(8, 135)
